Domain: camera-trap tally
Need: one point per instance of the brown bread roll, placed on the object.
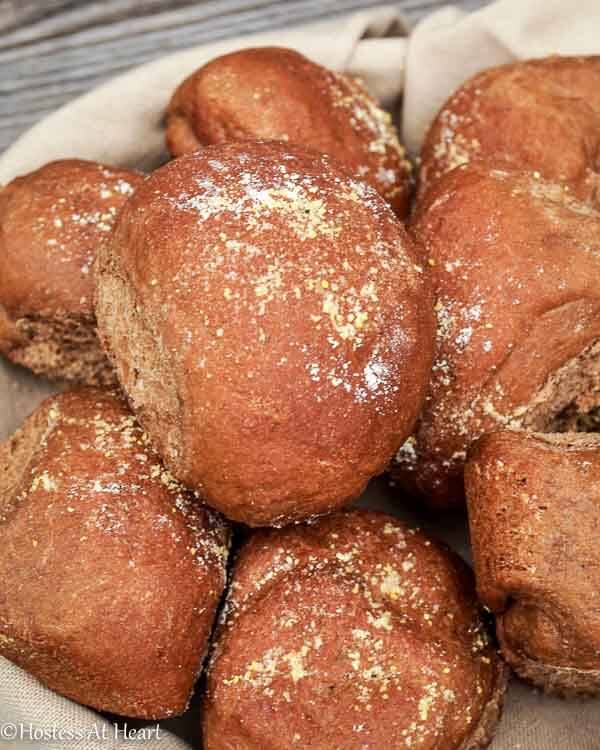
(268, 320)
(516, 272)
(539, 115)
(534, 511)
(351, 632)
(275, 93)
(110, 571)
(52, 222)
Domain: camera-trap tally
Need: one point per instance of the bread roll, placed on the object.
(539, 115)
(275, 93)
(110, 571)
(269, 322)
(516, 272)
(534, 510)
(351, 632)
(52, 222)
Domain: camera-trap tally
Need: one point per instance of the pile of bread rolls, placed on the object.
(251, 334)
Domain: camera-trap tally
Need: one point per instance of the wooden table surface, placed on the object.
(53, 50)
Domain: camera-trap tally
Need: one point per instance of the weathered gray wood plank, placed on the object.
(52, 51)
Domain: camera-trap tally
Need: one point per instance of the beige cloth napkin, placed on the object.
(32, 716)
(121, 123)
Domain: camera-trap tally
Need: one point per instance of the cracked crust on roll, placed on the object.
(52, 222)
(515, 270)
(534, 512)
(566, 682)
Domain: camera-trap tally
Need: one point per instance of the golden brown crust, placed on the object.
(350, 632)
(267, 318)
(111, 571)
(274, 93)
(534, 511)
(51, 223)
(516, 275)
(540, 115)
